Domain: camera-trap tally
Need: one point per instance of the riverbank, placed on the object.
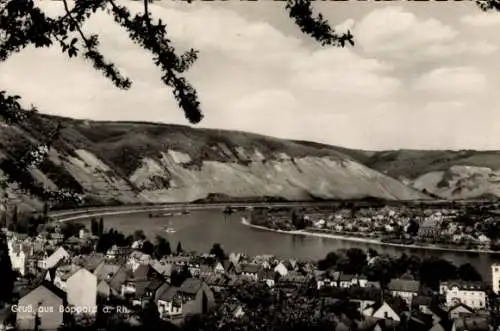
(81, 215)
(245, 222)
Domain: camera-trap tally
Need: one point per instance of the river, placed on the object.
(200, 229)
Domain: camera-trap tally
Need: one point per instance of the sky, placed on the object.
(420, 76)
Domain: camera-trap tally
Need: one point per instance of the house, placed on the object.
(19, 253)
(430, 227)
(56, 238)
(60, 254)
(495, 277)
(117, 253)
(326, 278)
(135, 285)
(194, 269)
(281, 269)
(346, 281)
(363, 304)
(217, 282)
(81, 289)
(60, 274)
(137, 258)
(404, 288)
(163, 268)
(105, 271)
(293, 278)
(382, 310)
(422, 303)
(177, 260)
(145, 291)
(105, 291)
(205, 270)
(84, 233)
(146, 272)
(119, 279)
(41, 306)
(219, 268)
(91, 262)
(165, 297)
(267, 276)
(235, 258)
(471, 294)
(460, 311)
(237, 311)
(250, 271)
(471, 324)
(191, 298)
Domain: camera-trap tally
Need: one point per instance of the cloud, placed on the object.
(482, 20)
(435, 106)
(261, 75)
(400, 34)
(342, 72)
(452, 80)
(394, 30)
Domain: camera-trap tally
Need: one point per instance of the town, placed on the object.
(453, 226)
(66, 276)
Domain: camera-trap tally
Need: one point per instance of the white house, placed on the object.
(19, 253)
(281, 269)
(52, 260)
(405, 289)
(495, 277)
(347, 281)
(471, 294)
(219, 268)
(81, 289)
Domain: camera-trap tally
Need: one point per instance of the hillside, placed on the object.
(448, 174)
(124, 162)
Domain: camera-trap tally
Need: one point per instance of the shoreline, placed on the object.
(245, 222)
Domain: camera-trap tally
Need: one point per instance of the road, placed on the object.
(81, 213)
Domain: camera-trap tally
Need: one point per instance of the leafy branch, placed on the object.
(301, 12)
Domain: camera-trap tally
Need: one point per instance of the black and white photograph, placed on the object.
(292, 165)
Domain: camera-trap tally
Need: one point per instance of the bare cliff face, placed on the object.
(445, 174)
(117, 162)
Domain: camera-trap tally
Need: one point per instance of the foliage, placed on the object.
(468, 273)
(71, 229)
(8, 275)
(413, 228)
(329, 261)
(218, 252)
(148, 247)
(94, 226)
(271, 309)
(111, 238)
(179, 249)
(139, 235)
(162, 248)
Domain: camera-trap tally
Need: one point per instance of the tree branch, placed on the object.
(316, 26)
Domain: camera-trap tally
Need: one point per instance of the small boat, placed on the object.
(169, 228)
